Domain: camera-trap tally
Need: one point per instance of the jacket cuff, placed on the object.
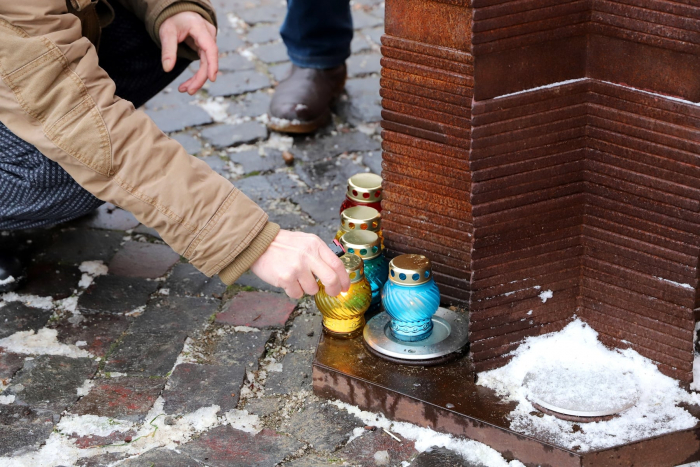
(183, 50)
(247, 257)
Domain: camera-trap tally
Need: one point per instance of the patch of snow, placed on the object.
(86, 425)
(80, 344)
(280, 142)
(216, 107)
(115, 374)
(43, 342)
(425, 438)
(68, 304)
(274, 367)
(242, 420)
(299, 107)
(164, 292)
(677, 284)
(356, 433)
(85, 281)
(6, 400)
(245, 329)
(662, 96)
(546, 295)
(34, 301)
(85, 388)
(7, 280)
(381, 458)
(553, 85)
(695, 385)
(93, 268)
(577, 346)
(136, 311)
(154, 432)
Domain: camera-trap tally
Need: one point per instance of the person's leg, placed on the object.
(317, 36)
(131, 58)
(34, 190)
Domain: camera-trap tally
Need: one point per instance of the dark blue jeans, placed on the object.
(317, 33)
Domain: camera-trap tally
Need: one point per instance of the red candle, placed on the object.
(364, 189)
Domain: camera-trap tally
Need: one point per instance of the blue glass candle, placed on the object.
(367, 245)
(411, 297)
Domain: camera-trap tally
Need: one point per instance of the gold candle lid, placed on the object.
(365, 188)
(354, 267)
(360, 218)
(362, 243)
(410, 270)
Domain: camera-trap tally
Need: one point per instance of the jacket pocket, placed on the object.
(47, 89)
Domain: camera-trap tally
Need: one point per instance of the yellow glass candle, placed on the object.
(344, 314)
(360, 218)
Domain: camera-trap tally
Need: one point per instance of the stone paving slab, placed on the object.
(193, 386)
(147, 260)
(116, 294)
(124, 398)
(223, 136)
(49, 383)
(94, 333)
(294, 377)
(227, 447)
(241, 349)
(17, 317)
(72, 246)
(186, 280)
(305, 332)
(442, 457)
(376, 448)
(162, 458)
(172, 315)
(20, 439)
(257, 310)
(251, 105)
(146, 354)
(314, 461)
(233, 84)
(51, 280)
(10, 363)
(323, 425)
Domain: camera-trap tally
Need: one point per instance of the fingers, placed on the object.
(294, 291)
(334, 263)
(308, 283)
(195, 83)
(205, 42)
(328, 277)
(168, 40)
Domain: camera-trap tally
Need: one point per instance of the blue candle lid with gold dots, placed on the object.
(363, 243)
(410, 270)
(354, 267)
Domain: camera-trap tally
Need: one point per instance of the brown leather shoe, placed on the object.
(302, 102)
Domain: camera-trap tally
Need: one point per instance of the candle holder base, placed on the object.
(447, 341)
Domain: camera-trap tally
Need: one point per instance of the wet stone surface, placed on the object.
(167, 340)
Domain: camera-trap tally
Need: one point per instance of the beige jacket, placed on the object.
(54, 95)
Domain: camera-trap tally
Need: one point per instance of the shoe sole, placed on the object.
(289, 126)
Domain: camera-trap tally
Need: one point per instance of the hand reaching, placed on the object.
(294, 258)
(200, 35)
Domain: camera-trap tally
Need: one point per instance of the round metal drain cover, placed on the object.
(449, 337)
(581, 392)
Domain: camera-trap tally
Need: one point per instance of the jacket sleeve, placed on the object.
(54, 95)
(154, 12)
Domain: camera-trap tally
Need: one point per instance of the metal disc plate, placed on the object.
(449, 335)
(582, 392)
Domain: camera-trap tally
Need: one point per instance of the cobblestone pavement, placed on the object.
(117, 351)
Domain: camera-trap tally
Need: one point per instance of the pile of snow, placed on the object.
(90, 270)
(43, 342)
(242, 420)
(34, 301)
(576, 347)
(425, 438)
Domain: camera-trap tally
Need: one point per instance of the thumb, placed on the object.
(168, 40)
